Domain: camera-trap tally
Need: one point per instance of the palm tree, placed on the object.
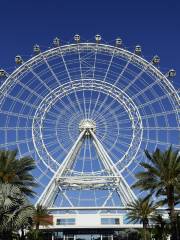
(14, 209)
(161, 227)
(41, 217)
(142, 211)
(178, 224)
(162, 176)
(17, 171)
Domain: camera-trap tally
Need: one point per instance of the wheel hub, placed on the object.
(87, 124)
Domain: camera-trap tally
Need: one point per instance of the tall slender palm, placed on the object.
(17, 171)
(41, 217)
(162, 176)
(142, 210)
(160, 228)
(178, 224)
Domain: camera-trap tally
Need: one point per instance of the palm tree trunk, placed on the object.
(170, 198)
(37, 225)
(145, 230)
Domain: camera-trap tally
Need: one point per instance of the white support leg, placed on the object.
(48, 191)
(124, 188)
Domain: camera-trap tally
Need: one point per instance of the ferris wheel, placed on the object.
(86, 112)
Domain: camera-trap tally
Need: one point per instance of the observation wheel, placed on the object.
(85, 112)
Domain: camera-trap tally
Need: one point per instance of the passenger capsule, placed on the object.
(36, 49)
(138, 50)
(77, 38)
(98, 38)
(171, 73)
(56, 42)
(118, 42)
(18, 59)
(2, 73)
(156, 60)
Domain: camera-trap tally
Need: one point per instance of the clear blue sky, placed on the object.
(153, 24)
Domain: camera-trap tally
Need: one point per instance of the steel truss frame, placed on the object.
(62, 181)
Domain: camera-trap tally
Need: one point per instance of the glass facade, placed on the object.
(83, 234)
(65, 221)
(91, 234)
(111, 221)
(84, 237)
(88, 237)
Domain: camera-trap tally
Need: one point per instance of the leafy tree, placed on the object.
(142, 211)
(162, 177)
(17, 171)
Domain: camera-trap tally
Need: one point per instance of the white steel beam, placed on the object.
(102, 208)
(48, 191)
(125, 191)
(60, 181)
